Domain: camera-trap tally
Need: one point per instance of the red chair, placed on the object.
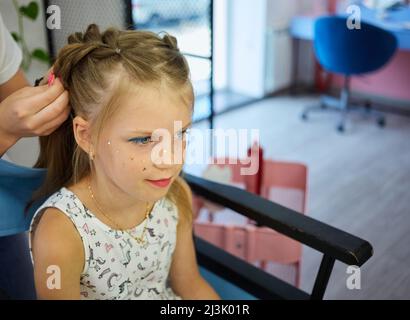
(282, 182)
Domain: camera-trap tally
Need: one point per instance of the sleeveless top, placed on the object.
(116, 266)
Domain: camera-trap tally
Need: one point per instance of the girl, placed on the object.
(118, 224)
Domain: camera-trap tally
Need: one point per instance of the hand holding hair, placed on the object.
(32, 111)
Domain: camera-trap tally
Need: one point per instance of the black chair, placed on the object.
(333, 243)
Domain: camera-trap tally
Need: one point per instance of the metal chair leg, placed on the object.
(341, 125)
(367, 110)
(380, 118)
(343, 105)
(321, 106)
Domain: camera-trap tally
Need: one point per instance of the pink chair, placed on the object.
(282, 182)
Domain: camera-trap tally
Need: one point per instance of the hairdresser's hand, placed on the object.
(32, 111)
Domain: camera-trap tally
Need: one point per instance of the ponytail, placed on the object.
(57, 150)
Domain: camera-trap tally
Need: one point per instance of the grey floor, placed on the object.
(358, 182)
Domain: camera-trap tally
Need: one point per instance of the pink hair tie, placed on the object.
(51, 78)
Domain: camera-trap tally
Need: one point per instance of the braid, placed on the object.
(92, 44)
(92, 34)
(170, 41)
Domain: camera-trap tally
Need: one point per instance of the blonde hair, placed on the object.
(92, 64)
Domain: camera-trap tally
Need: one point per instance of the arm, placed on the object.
(25, 111)
(32, 111)
(56, 242)
(185, 278)
(17, 82)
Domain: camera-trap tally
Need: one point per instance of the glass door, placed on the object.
(190, 22)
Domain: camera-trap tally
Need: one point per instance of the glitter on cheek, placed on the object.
(143, 163)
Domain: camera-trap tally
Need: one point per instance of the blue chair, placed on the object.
(350, 52)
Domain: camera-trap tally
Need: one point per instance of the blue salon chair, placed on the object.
(350, 52)
(16, 272)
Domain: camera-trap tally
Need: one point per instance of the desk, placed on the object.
(398, 22)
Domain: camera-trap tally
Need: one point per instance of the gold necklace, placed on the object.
(140, 239)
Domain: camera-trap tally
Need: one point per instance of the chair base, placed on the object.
(331, 103)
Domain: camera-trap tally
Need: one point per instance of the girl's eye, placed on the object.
(141, 140)
(148, 140)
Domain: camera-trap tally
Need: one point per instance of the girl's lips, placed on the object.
(160, 183)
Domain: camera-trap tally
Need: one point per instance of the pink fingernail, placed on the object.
(51, 79)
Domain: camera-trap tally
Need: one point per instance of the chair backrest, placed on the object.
(17, 184)
(346, 51)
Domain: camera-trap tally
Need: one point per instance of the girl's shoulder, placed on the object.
(55, 230)
(55, 242)
(54, 235)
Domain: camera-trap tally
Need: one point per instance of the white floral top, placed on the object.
(116, 266)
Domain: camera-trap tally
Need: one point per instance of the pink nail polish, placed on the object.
(51, 79)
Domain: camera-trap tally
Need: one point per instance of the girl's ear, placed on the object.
(82, 133)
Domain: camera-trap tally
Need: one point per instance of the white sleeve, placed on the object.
(10, 54)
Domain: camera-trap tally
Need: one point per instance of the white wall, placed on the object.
(246, 55)
(34, 32)
(278, 58)
(259, 47)
(280, 12)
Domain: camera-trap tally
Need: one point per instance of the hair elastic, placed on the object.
(37, 82)
(51, 78)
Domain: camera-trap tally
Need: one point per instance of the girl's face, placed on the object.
(130, 148)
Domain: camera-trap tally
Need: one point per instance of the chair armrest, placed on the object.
(331, 241)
